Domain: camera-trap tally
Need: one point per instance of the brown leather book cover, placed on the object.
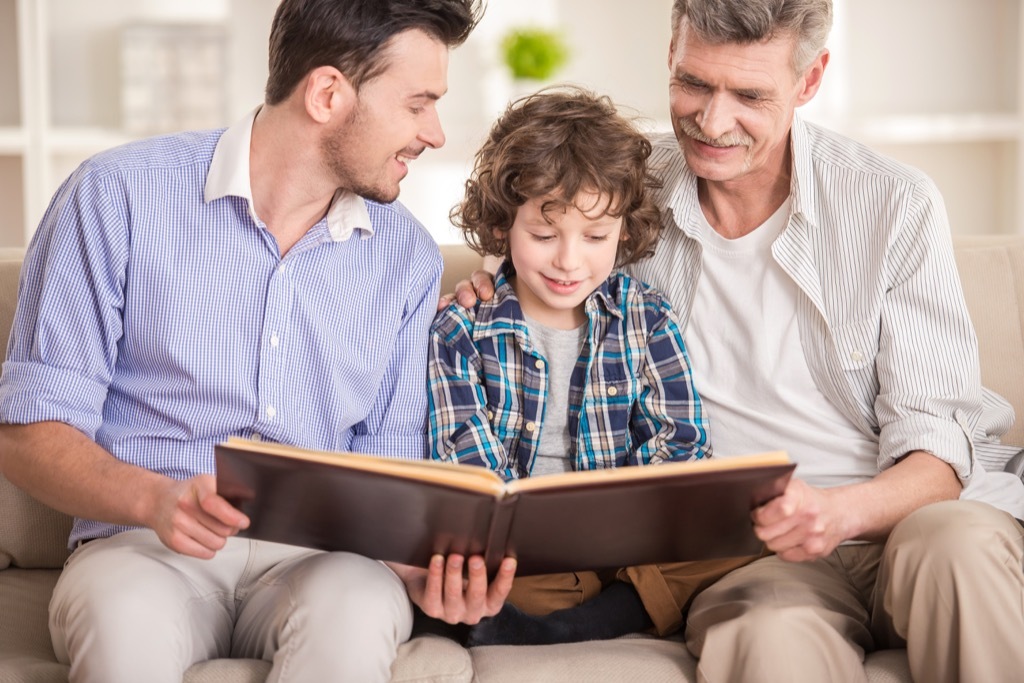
(406, 511)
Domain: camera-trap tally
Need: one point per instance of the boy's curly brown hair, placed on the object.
(557, 143)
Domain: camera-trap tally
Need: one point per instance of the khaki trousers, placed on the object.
(948, 584)
(127, 609)
(666, 590)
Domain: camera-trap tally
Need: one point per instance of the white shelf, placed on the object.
(84, 141)
(934, 128)
(12, 141)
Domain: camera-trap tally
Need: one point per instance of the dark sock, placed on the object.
(615, 611)
(422, 624)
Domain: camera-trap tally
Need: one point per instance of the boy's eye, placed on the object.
(543, 238)
(597, 238)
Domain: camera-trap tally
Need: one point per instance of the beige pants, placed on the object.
(128, 609)
(666, 590)
(948, 584)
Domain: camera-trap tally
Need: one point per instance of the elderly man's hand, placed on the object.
(802, 524)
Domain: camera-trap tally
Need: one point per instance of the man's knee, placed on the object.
(347, 617)
(950, 533)
(119, 620)
(352, 593)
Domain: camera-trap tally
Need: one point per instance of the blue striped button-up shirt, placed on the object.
(157, 316)
(631, 402)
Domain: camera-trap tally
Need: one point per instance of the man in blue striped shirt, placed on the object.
(192, 287)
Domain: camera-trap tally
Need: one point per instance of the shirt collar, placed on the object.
(503, 314)
(803, 190)
(229, 176)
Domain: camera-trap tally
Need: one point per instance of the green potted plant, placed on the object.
(533, 54)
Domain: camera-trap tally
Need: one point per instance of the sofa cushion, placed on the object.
(228, 671)
(432, 659)
(10, 266)
(31, 534)
(630, 658)
(992, 274)
(24, 635)
(459, 262)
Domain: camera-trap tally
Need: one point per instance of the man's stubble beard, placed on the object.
(344, 170)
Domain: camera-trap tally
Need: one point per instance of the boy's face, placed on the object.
(563, 257)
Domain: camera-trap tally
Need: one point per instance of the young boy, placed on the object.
(572, 365)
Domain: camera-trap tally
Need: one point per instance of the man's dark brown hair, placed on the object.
(556, 144)
(352, 36)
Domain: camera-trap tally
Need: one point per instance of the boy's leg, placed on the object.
(643, 597)
(774, 620)
(951, 585)
(323, 617)
(127, 608)
(547, 593)
(666, 590)
(613, 612)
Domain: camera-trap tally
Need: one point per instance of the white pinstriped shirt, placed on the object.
(156, 315)
(886, 334)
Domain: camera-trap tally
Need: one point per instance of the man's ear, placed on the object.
(327, 94)
(812, 78)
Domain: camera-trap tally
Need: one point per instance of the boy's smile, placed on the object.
(561, 256)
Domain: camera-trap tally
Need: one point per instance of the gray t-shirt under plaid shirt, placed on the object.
(560, 350)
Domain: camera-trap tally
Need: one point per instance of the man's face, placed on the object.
(732, 104)
(394, 120)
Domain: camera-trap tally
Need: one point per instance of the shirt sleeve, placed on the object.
(396, 425)
(63, 346)
(460, 428)
(668, 421)
(929, 386)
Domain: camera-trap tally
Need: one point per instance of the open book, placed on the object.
(405, 511)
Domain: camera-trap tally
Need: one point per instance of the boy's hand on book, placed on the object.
(443, 592)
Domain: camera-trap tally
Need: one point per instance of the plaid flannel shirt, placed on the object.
(632, 400)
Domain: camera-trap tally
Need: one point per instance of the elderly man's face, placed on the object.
(732, 104)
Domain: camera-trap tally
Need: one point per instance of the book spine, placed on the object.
(497, 535)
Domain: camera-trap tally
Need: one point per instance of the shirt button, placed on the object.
(531, 427)
(856, 356)
(612, 391)
(490, 415)
(274, 340)
(256, 437)
(281, 268)
(271, 412)
(539, 364)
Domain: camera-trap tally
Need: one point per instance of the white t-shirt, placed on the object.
(749, 366)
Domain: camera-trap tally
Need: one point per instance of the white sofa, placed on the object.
(33, 537)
